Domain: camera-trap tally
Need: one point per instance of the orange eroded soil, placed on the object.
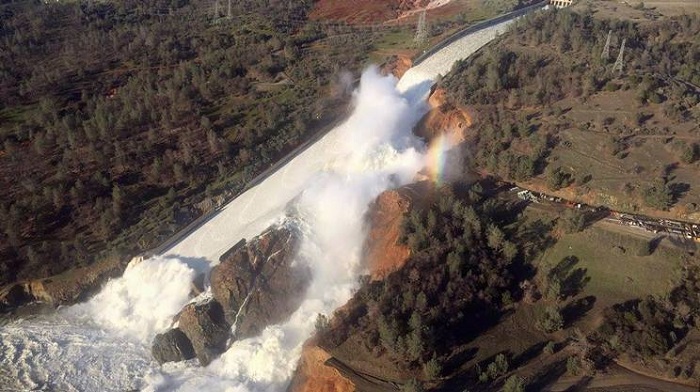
(365, 11)
(313, 375)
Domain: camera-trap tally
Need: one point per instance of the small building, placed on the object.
(561, 3)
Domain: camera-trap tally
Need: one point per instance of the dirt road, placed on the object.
(618, 379)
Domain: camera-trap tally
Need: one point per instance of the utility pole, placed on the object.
(421, 30)
(216, 9)
(606, 49)
(619, 64)
(228, 13)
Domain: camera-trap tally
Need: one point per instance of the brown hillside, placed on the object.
(365, 11)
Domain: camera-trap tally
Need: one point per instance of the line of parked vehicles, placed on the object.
(674, 227)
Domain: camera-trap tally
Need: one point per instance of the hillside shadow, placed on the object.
(593, 216)
(581, 385)
(573, 280)
(655, 242)
(678, 190)
(577, 309)
(528, 355)
(453, 363)
(546, 376)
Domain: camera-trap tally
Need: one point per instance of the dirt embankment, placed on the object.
(370, 11)
(384, 253)
(397, 65)
(313, 375)
(445, 119)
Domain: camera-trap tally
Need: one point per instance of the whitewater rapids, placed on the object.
(104, 344)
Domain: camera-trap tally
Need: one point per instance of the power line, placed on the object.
(606, 49)
(421, 30)
(619, 64)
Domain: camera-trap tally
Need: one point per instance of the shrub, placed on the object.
(550, 320)
(514, 384)
(572, 221)
(412, 386)
(432, 368)
(549, 348)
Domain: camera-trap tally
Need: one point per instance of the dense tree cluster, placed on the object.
(459, 279)
(115, 117)
(650, 327)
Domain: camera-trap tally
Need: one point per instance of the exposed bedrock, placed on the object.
(207, 330)
(65, 289)
(172, 346)
(256, 284)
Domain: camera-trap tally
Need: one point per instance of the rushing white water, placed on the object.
(104, 344)
(373, 151)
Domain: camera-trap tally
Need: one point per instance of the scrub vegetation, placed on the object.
(551, 110)
(121, 121)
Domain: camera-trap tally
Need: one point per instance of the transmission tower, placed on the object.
(421, 30)
(619, 64)
(606, 49)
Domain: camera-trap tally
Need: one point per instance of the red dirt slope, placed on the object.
(364, 11)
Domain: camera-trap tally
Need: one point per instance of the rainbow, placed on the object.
(436, 158)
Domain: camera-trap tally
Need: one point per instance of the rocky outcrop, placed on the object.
(233, 278)
(255, 285)
(207, 330)
(172, 346)
(64, 289)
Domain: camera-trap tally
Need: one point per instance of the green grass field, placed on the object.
(611, 261)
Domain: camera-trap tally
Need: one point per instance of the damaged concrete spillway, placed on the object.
(323, 193)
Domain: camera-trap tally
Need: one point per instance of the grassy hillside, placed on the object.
(552, 112)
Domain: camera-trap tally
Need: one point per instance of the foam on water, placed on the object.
(143, 301)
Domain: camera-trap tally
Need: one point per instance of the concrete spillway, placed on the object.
(441, 62)
(104, 344)
(254, 210)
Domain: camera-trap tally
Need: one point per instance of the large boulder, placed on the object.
(172, 346)
(205, 327)
(257, 282)
(233, 278)
(279, 290)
